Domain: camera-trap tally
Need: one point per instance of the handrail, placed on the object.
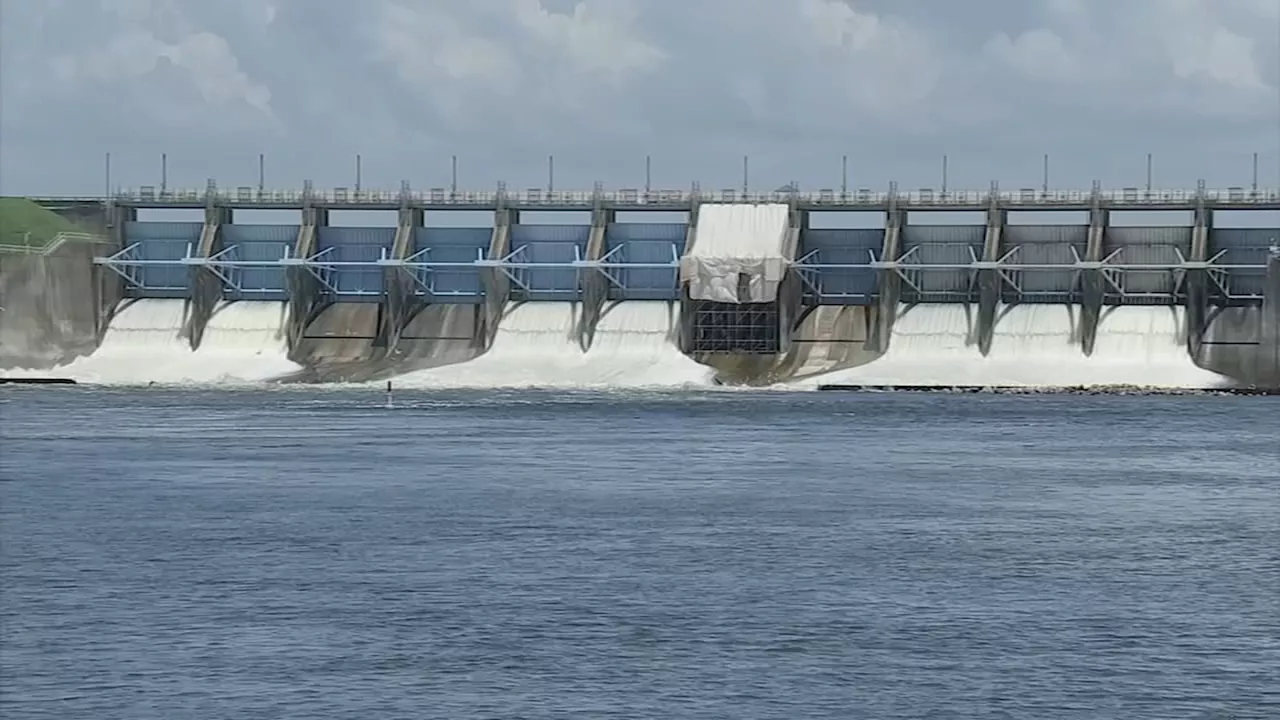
(52, 246)
(536, 197)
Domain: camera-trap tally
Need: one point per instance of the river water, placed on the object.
(173, 554)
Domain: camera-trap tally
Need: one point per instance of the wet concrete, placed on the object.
(1237, 344)
(343, 344)
(53, 310)
(825, 339)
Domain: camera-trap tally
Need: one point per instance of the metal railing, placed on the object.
(62, 238)
(587, 198)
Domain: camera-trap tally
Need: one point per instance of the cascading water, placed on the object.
(1033, 346)
(144, 344)
(537, 346)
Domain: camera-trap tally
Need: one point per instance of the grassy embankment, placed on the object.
(26, 226)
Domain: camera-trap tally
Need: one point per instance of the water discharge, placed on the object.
(537, 345)
(633, 346)
(1034, 346)
(243, 344)
(245, 341)
(1146, 346)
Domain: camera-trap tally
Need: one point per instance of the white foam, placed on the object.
(1147, 346)
(1033, 346)
(635, 346)
(731, 239)
(245, 341)
(536, 345)
(243, 344)
(1037, 333)
(740, 230)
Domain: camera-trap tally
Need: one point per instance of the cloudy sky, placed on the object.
(600, 84)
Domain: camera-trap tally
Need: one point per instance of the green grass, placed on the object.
(25, 223)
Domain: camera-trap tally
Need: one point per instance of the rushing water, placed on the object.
(315, 554)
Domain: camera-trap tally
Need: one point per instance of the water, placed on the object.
(247, 328)
(728, 231)
(286, 554)
(537, 345)
(731, 239)
(244, 343)
(1035, 346)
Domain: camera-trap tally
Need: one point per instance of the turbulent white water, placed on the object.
(536, 345)
(1147, 346)
(1034, 346)
(246, 341)
(732, 239)
(634, 346)
(243, 344)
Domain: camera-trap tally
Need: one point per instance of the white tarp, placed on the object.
(734, 239)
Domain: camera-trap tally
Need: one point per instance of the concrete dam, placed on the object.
(785, 288)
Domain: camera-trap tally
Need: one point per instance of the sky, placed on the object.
(891, 86)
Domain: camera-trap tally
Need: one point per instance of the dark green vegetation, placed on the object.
(24, 224)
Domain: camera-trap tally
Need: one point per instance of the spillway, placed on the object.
(1033, 346)
(1147, 346)
(635, 346)
(245, 342)
(536, 345)
(144, 344)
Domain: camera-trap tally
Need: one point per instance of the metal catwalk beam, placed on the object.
(1232, 198)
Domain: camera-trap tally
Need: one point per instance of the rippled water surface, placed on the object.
(291, 554)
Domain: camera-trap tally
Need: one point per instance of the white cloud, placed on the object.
(601, 83)
(1218, 56)
(425, 49)
(596, 40)
(1215, 56)
(1038, 54)
(850, 42)
(143, 40)
(466, 62)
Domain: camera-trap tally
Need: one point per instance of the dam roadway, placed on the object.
(864, 199)
(751, 285)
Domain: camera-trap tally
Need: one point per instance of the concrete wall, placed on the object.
(338, 345)
(825, 339)
(342, 344)
(52, 307)
(1235, 344)
(440, 335)
(829, 338)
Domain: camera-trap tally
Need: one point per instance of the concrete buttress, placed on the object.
(306, 294)
(206, 284)
(791, 289)
(889, 282)
(399, 300)
(1092, 282)
(109, 286)
(1197, 279)
(1270, 335)
(595, 286)
(497, 286)
(989, 281)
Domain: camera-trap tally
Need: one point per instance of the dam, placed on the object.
(653, 288)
